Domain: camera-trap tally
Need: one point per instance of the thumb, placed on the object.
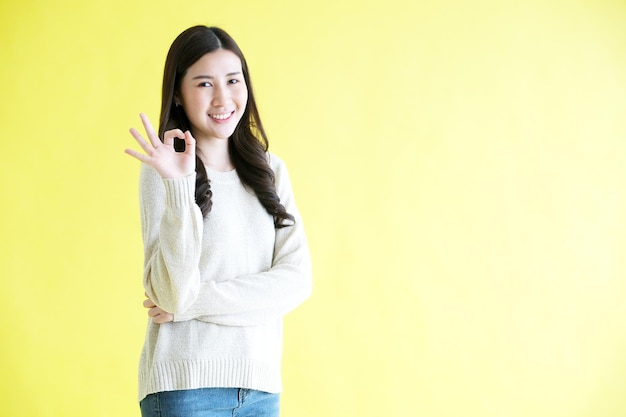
(190, 142)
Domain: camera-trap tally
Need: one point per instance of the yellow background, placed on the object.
(460, 166)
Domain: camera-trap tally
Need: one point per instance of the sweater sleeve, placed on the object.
(172, 232)
(258, 298)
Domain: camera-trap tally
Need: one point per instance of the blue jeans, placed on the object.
(211, 402)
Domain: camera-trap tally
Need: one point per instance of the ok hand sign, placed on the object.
(161, 155)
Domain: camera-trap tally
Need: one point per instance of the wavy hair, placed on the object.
(247, 145)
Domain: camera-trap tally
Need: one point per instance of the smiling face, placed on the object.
(214, 95)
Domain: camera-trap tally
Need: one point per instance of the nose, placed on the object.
(221, 96)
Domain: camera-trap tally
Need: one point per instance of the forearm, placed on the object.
(252, 299)
(172, 230)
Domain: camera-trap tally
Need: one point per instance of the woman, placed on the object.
(226, 256)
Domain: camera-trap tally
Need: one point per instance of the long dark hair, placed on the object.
(247, 145)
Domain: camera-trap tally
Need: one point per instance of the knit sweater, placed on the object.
(228, 279)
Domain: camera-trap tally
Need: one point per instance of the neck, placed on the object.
(214, 154)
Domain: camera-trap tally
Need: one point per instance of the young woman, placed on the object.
(226, 256)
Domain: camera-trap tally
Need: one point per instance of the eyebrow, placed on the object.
(230, 74)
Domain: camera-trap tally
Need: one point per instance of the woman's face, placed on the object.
(214, 95)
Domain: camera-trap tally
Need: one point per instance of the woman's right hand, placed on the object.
(161, 155)
(158, 315)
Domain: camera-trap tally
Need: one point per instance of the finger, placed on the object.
(154, 311)
(148, 303)
(190, 143)
(168, 137)
(146, 146)
(163, 318)
(154, 138)
(138, 155)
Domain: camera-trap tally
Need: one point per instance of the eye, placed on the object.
(205, 84)
(233, 81)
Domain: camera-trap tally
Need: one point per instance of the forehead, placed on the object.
(220, 62)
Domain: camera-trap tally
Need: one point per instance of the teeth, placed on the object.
(220, 116)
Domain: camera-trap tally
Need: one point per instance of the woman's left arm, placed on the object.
(258, 298)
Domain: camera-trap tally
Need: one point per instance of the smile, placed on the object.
(223, 116)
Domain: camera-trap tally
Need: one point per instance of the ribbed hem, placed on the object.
(180, 192)
(216, 373)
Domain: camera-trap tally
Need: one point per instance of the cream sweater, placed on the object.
(228, 279)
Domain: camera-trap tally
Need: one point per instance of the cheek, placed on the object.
(243, 99)
(194, 103)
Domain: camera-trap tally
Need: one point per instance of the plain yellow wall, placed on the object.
(460, 166)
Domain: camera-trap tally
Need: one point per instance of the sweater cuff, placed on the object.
(180, 192)
(191, 313)
(182, 317)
